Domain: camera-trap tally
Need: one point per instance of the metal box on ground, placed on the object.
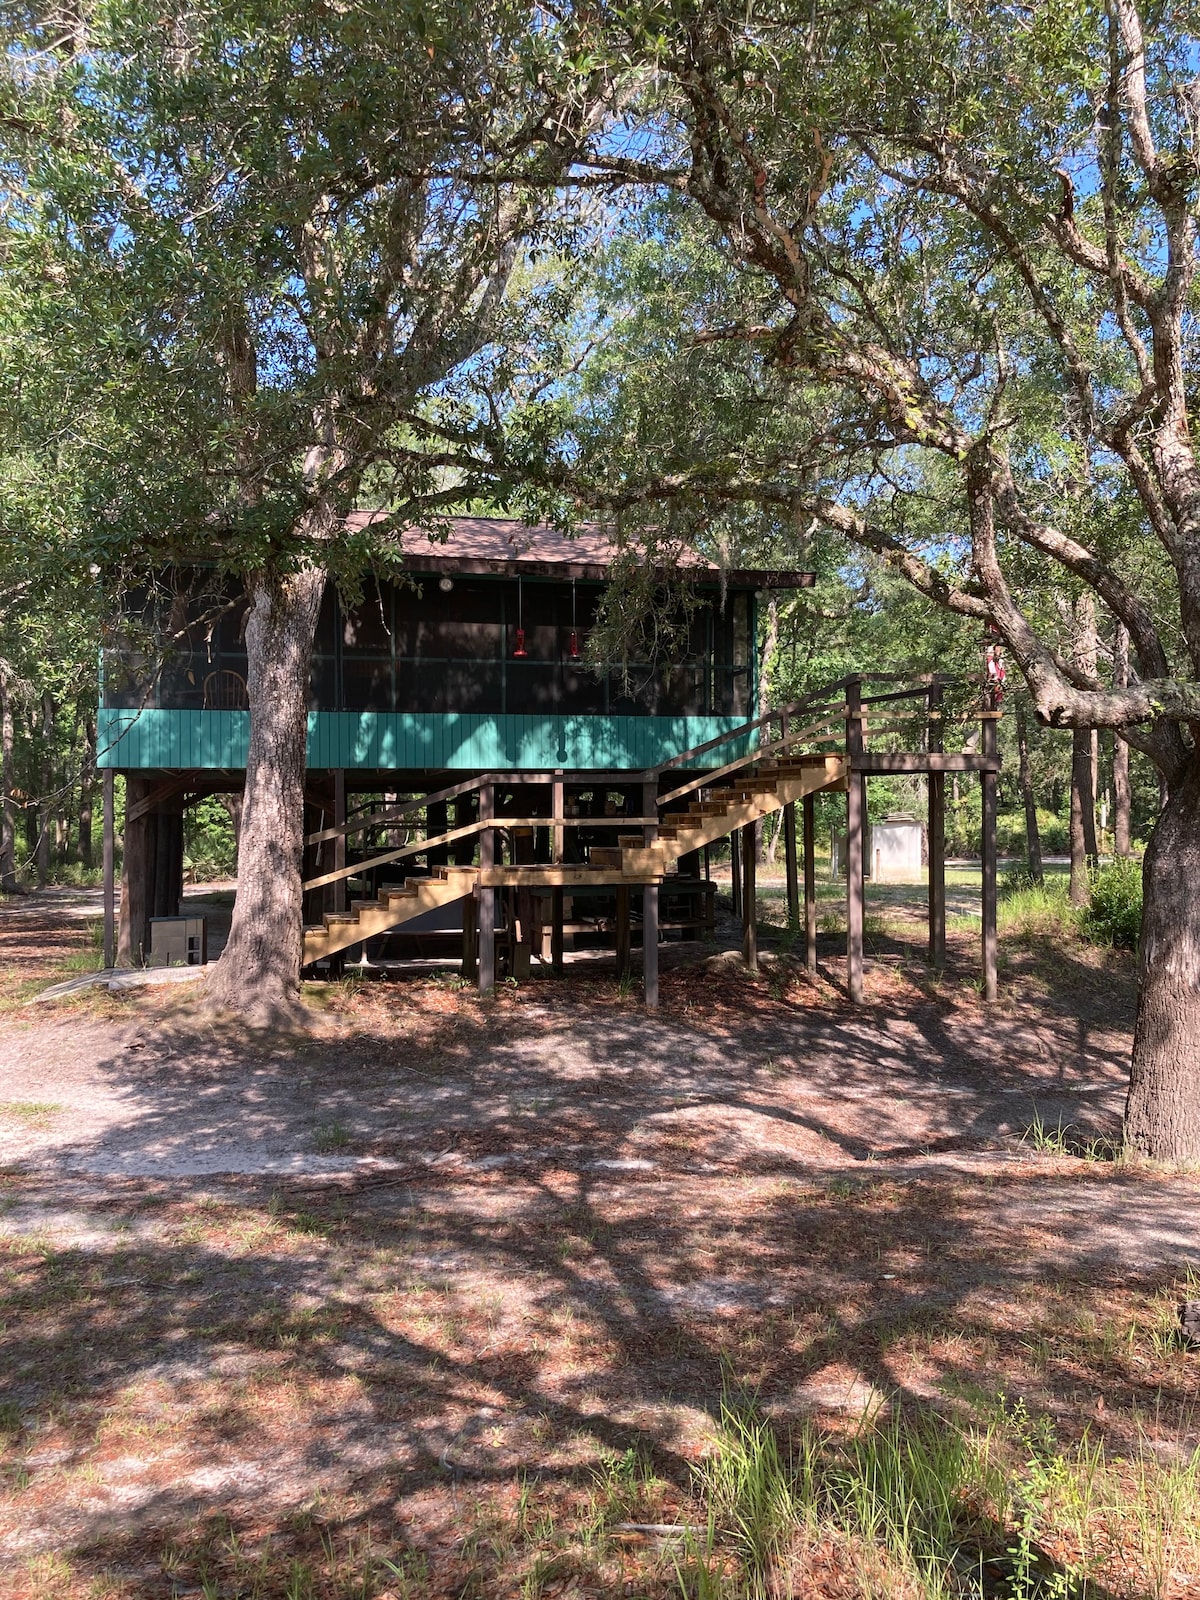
(178, 942)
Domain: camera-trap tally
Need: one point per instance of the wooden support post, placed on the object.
(556, 811)
(487, 897)
(810, 883)
(790, 865)
(622, 931)
(650, 808)
(989, 781)
(855, 827)
(735, 871)
(650, 944)
(470, 953)
(339, 844)
(556, 930)
(749, 900)
(110, 898)
(937, 839)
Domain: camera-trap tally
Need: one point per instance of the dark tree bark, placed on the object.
(1033, 837)
(1122, 793)
(233, 805)
(1162, 1114)
(8, 829)
(87, 784)
(258, 975)
(46, 805)
(137, 870)
(1083, 815)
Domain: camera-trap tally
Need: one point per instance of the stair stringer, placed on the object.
(391, 910)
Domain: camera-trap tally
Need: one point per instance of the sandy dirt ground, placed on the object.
(447, 1241)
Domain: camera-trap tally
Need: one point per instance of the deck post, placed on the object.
(556, 930)
(989, 782)
(556, 811)
(855, 820)
(470, 961)
(339, 844)
(487, 897)
(937, 839)
(622, 930)
(790, 865)
(749, 900)
(735, 871)
(650, 807)
(650, 945)
(110, 898)
(810, 882)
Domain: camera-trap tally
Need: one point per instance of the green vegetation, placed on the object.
(913, 1504)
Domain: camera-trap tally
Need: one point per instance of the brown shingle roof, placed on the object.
(502, 545)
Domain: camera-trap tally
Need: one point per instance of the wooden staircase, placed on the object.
(744, 799)
(395, 904)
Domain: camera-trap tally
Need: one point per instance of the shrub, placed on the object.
(1113, 915)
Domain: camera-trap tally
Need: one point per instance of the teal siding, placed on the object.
(407, 740)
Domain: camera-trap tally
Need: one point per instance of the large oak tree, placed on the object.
(956, 244)
(281, 249)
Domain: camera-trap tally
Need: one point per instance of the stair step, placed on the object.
(629, 841)
(603, 857)
(337, 919)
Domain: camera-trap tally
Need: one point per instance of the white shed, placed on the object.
(896, 849)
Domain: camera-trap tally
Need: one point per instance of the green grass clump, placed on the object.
(918, 1506)
(1113, 915)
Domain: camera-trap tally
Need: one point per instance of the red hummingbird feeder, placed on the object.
(520, 652)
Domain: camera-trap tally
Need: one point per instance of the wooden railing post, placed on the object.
(650, 945)
(855, 826)
(486, 919)
(937, 837)
(339, 843)
(557, 807)
(110, 896)
(790, 865)
(988, 779)
(810, 883)
(650, 807)
(749, 900)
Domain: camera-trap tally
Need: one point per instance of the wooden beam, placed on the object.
(749, 899)
(339, 843)
(557, 811)
(990, 783)
(486, 920)
(855, 821)
(556, 929)
(622, 937)
(810, 883)
(110, 899)
(923, 761)
(790, 865)
(470, 941)
(735, 871)
(650, 945)
(937, 835)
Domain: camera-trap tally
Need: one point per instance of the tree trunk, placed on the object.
(1083, 815)
(87, 782)
(46, 804)
(1033, 837)
(1122, 793)
(258, 975)
(1162, 1113)
(233, 805)
(8, 829)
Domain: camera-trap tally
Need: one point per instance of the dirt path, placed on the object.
(445, 1241)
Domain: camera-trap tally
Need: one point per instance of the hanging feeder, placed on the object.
(520, 652)
(573, 642)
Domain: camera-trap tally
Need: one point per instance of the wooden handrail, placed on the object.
(745, 728)
(705, 778)
(420, 846)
